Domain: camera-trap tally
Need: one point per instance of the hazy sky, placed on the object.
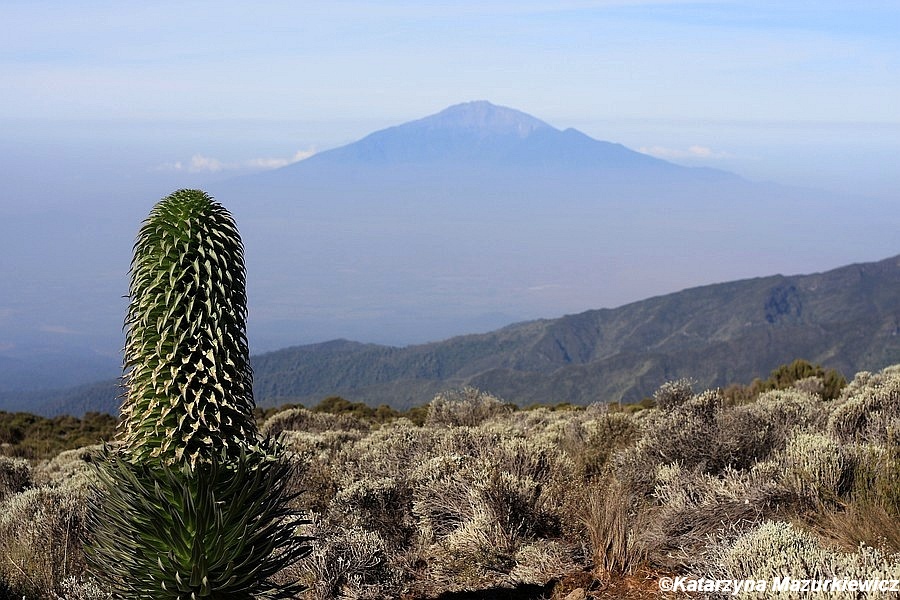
(775, 90)
(107, 106)
(832, 61)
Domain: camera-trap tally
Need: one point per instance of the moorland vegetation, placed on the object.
(472, 493)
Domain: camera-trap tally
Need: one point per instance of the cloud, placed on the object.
(204, 164)
(60, 329)
(695, 151)
(544, 287)
(276, 163)
(207, 164)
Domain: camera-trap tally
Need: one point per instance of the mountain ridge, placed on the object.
(563, 359)
(846, 318)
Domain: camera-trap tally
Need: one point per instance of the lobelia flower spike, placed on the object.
(193, 504)
(188, 377)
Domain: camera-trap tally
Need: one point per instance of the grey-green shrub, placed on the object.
(871, 413)
(301, 419)
(817, 467)
(69, 465)
(687, 433)
(464, 407)
(875, 486)
(673, 394)
(15, 476)
(591, 439)
(41, 535)
(778, 549)
(380, 505)
(347, 562)
(783, 411)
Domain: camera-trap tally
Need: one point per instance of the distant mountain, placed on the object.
(483, 135)
(479, 136)
(102, 396)
(421, 230)
(57, 368)
(847, 318)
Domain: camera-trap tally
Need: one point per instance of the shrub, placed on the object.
(518, 483)
(301, 419)
(801, 371)
(313, 455)
(80, 588)
(41, 533)
(347, 563)
(37, 438)
(543, 561)
(693, 509)
(871, 512)
(386, 452)
(783, 411)
(465, 407)
(383, 506)
(777, 549)
(340, 406)
(15, 476)
(743, 436)
(816, 467)
(866, 379)
(687, 434)
(876, 479)
(872, 412)
(589, 441)
(442, 496)
(673, 394)
(478, 551)
(706, 434)
(78, 464)
(800, 374)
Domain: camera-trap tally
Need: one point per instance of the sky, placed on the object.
(107, 106)
(207, 87)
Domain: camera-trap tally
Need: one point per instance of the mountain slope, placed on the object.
(846, 318)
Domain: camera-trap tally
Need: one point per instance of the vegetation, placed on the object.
(802, 374)
(481, 496)
(32, 437)
(192, 503)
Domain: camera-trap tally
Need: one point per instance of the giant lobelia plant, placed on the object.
(193, 503)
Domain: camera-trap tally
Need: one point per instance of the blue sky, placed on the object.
(809, 60)
(214, 86)
(747, 60)
(691, 81)
(107, 106)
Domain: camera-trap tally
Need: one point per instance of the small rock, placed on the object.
(576, 594)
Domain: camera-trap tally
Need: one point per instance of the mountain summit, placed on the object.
(482, 117)
(484, 135)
